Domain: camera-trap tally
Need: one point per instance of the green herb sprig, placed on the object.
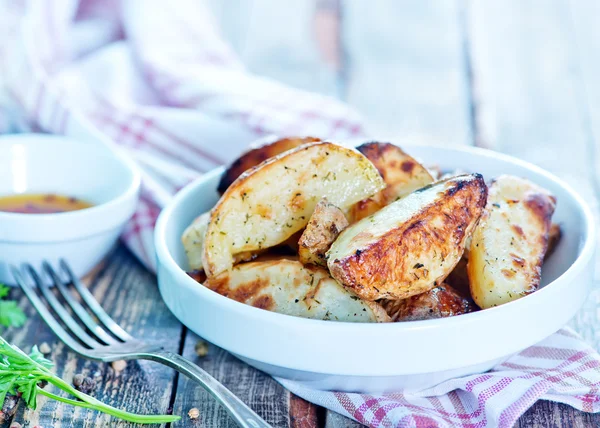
(10, 314)
(23, 373)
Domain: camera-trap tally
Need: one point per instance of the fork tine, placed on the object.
(54, 325)
(83, 315)
(94, 306)
(58, 308)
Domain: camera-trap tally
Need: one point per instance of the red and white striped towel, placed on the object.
(561, 368)
(155, 80)
(159, 83)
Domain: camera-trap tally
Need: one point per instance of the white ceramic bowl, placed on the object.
(37, 163)
(384, 357)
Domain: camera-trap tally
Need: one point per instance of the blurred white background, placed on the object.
(402, 64)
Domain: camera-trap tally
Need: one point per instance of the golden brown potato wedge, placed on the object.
(402, 174)
(411, 245)
(439, 302)
(509, 244)
(324, 226)
(268, 204)
(193, 244)
(459, 277)
(267, 149)
(193, 240)
(285, 286)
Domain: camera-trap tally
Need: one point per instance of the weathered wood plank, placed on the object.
(335, 420)
(256, 389)
(302, 413)
(548, 414)
(406, 69)
(128, 293)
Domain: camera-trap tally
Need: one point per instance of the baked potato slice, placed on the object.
(285, 286)
(193, 240)
(459, 277)
(268, 204)
(411, 245)
(272, 146)
(402, 175)
(439, 302)
(324, 226)
(509, 244)
(193, 244)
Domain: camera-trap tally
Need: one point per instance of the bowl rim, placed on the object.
(104, 210)
(165, 258)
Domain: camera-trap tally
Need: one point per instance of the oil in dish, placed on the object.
(41, 203)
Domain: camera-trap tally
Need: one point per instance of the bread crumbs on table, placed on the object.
(44, 348)
(201, 348)
(119, 365)
(194, 413)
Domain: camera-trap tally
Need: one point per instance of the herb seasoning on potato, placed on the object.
(317, 230)
(411, 245)
(508, 246)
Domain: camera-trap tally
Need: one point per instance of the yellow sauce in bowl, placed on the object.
(41, 203)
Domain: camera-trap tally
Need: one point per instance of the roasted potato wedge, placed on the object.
(193, 244)
(459, 277)
(324, 226)
(439, 302)
(402, 174)
(268, 204)
(266, 149)
(411, 245)
(509, 244)
(193, 240)
(286, 286)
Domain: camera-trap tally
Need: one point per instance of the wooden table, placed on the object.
(129, 293)
(520, 77)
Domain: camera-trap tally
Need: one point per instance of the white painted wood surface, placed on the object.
(406, 70)
(277, 39)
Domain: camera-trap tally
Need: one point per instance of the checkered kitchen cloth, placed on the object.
(160, 84)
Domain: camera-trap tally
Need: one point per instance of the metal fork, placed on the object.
(106, 341)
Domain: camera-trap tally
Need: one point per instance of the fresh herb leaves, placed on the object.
(10, 314)
(23, 373)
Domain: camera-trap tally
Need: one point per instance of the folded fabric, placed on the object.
(561, 368)
(159, 82)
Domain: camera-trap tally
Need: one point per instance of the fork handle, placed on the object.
(243, 415)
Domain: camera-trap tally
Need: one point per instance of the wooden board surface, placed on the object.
(129, 294)
(258, 390)
(147, 387)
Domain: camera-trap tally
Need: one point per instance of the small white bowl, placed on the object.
(384, 357)
(91, 171)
